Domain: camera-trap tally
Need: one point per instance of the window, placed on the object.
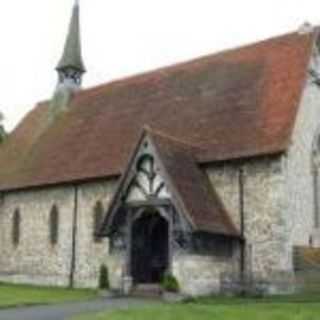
(16, 227)
(54, 225)
(208, 244)
(98, 217)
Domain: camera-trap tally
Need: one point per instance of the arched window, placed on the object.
(98, 217)
(315, 175)
(54, 225)
(16, 227)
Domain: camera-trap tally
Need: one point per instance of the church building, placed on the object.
(206, 170)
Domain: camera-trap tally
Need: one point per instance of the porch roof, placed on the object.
(192, 193)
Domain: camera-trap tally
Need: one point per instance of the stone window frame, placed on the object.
(54, 225)
(16, 227)
(98, 212)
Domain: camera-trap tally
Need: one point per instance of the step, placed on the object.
(147, 291)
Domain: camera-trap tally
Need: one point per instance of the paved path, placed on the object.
(64, 311)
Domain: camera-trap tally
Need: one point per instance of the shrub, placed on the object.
(170, 283)
(104, 278)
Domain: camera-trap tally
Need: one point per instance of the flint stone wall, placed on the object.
(90, 255)
(265, 224)
(300, 196)
(201, 274)
(35, 260)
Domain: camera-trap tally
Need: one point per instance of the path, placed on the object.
(67, 310)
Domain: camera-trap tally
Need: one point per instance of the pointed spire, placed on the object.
(70, 68)
(72, 57)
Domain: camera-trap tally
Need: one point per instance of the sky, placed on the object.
(125, 37)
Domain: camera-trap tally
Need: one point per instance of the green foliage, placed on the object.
(104, 278)
(170, 283)
(3, 133)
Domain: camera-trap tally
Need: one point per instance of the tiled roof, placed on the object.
(239, 103)
(199, 199)
(189, 187)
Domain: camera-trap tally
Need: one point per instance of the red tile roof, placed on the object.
(199, 199)
(190, 189)
(239, 103)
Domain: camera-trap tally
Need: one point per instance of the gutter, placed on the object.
(242, 223)
(74, 238)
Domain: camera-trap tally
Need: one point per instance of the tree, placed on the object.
(3, 133)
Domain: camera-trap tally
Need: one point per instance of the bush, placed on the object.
(170, 283)
(104, 278)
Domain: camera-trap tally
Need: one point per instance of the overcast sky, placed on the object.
(124, 37)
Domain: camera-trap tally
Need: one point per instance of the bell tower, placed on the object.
(71, 67)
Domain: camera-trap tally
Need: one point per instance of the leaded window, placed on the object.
(16, 224)
(98, 219)
(208, 244)
(54, 225)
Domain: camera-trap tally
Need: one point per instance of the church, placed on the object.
(206, 170)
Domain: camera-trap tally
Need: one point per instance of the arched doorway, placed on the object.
(149, 247)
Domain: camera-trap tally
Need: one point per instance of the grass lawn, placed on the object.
(221, 309)
(16, 295)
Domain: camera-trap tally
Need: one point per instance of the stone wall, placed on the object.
(35, 260)
(90, 255)
(201, 275)
(300, 197)
(265, 227)
(225, 180)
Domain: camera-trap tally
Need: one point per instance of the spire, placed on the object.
(71, 66)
